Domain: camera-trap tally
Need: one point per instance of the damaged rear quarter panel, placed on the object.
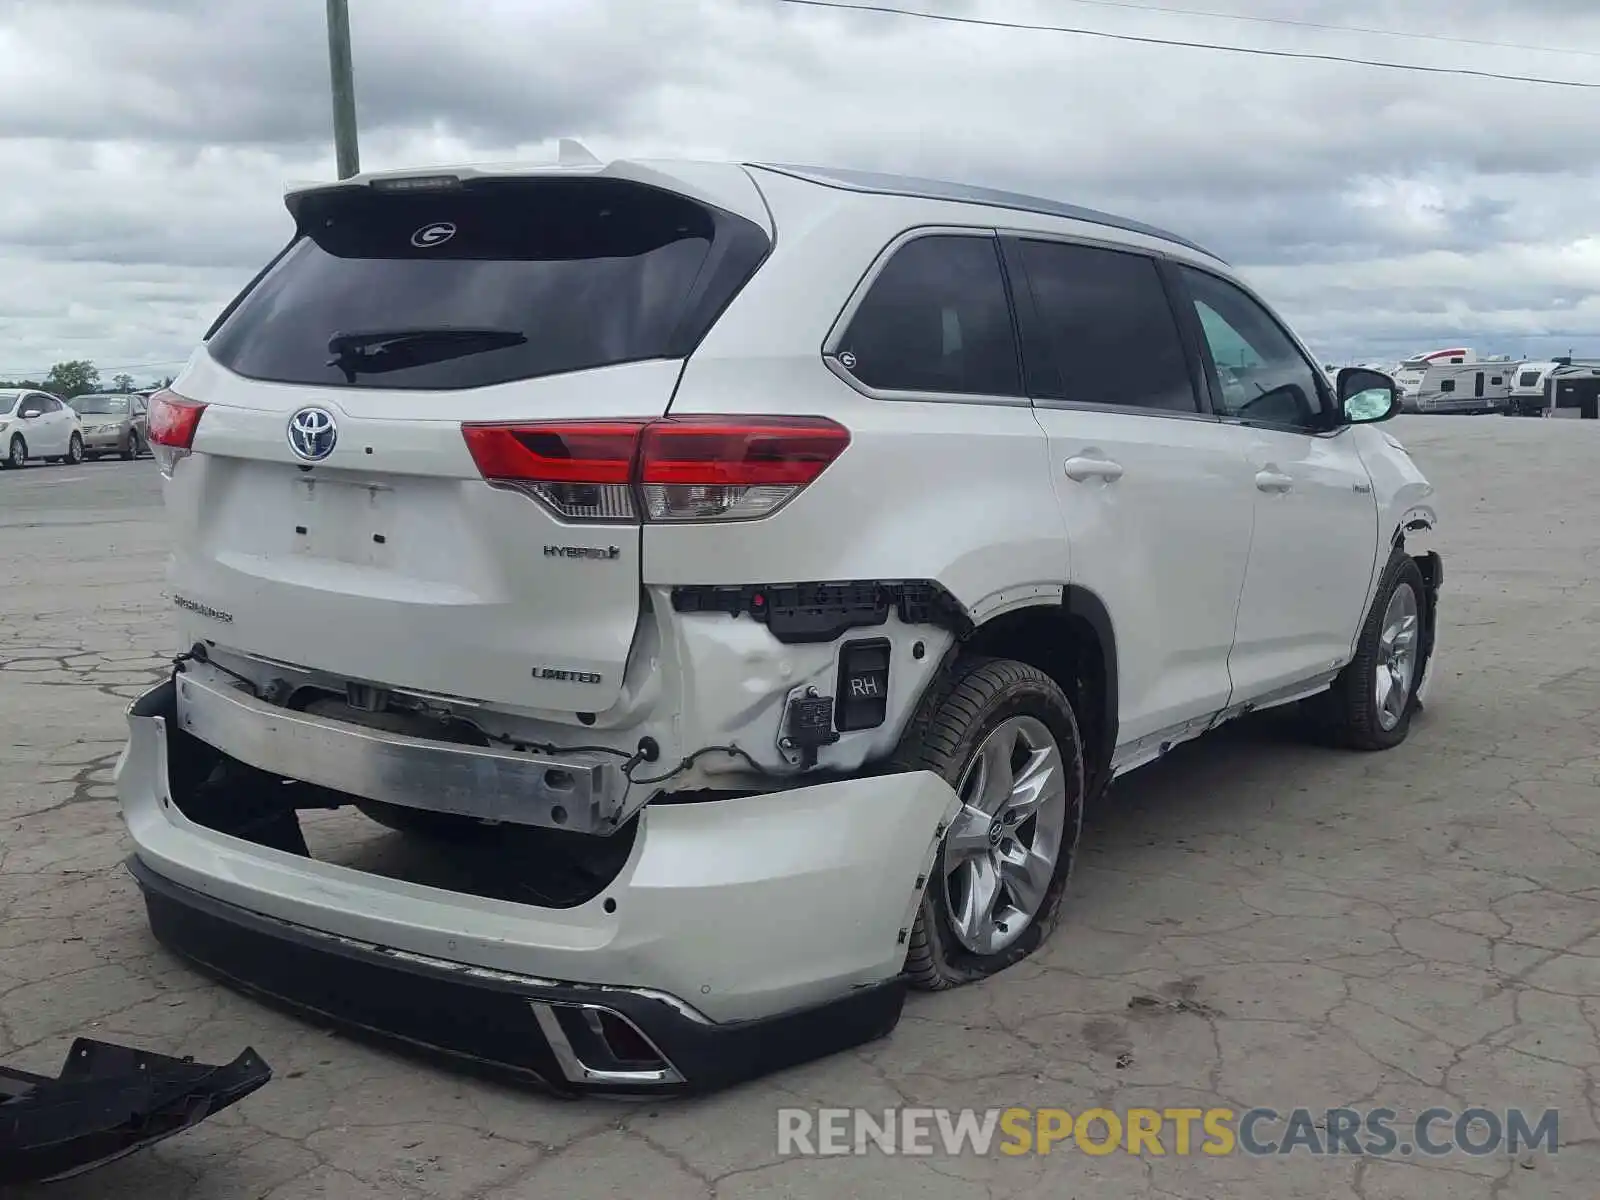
(730, 679)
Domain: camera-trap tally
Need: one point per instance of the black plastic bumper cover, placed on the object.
(109, 1101)
(486, 1018)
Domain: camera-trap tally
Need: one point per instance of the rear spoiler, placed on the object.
(108, 1102)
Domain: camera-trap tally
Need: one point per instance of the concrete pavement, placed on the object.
(1255, 921)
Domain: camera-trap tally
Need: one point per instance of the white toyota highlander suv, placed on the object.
(767, 563)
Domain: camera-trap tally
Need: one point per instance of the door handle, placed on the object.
(1080, 468)
(1273, 481)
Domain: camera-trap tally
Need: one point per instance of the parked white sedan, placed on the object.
(38, 425)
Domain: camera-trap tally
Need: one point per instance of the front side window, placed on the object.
(936, 319)
(1106, 332)
(1260, 373)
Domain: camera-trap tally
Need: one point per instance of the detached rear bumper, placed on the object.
(741, 936)
(551, 1032)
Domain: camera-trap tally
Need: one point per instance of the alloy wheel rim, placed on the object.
(1396, 667)
(1001, 851)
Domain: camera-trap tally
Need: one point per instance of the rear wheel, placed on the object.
(1004, 735)
(74, 450)
(17, 453)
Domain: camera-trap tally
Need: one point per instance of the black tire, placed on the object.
(133, 449)
(1348, 714)
(976, 698)
(74, 454)
(16, 453)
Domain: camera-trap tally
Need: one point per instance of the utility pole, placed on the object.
(344, 89)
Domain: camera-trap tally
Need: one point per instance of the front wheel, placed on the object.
(74, 450)
(133, 449)
(1371, 703)
(1004, 735)
(16, 453)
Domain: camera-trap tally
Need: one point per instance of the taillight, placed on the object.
(697, 468)
(171, 425)
(731, 468)
(582, 470)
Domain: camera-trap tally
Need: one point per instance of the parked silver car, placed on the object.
(113, 423)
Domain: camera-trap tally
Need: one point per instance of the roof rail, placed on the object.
(883, 184)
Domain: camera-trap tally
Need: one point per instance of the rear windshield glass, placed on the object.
(487, 283)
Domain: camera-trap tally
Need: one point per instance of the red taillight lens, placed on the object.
(698, 468)
(731, 468)
(171, 425)
(173, 419)
(583, 470)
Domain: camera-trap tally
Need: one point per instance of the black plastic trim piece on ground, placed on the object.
(486, 1019)
(109, 1101)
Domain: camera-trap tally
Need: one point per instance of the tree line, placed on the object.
(79, 377)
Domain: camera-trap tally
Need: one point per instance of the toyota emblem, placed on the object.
(312, 434)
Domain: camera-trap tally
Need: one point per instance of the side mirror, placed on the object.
(1366, 396)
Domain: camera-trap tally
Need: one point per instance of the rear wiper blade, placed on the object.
(374, 351)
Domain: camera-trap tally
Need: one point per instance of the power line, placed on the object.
(13, 373)
(1394, 33)
(1304, 55)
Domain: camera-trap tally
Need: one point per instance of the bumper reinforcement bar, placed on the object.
(580, 792)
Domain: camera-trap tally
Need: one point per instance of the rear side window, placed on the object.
(1106, 332)
(936, 319)
(487, 283)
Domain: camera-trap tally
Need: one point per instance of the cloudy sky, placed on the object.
(144, 143)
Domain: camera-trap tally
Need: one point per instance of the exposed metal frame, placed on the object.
(578, 792)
